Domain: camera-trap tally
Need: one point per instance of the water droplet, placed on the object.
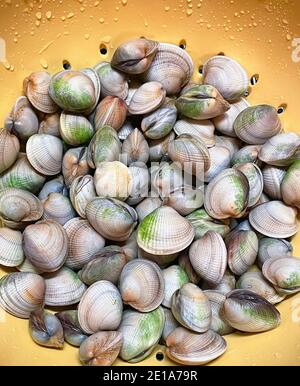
(288, 37)
(15, 40)
(115, 19)
(199, 5)
(96, 3)
(124, 2)
(86, 36)
(44, 63)
(167, 8)
(82, 9)
(11, 68)
(8, 2)
(37, 23)
(48, 15)
(269, 41)
(6, 65)
(101, 20)
(208, 26)
(146, 23)
(38, 15)
(236, 14)
(63, 18)
(254, 24)
(284, 21)
(70, 15)
(231, 37)
(189, 12)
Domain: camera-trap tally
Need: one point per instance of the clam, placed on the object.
(160, 122)
(249, 312)
(281, 150)
(191, 308)
(100, 308)
(254, 281)
(141, 285)
(106, 264)
(137, 344)
(46, 245)
(219, 160)
(22, 175)
(174, 278)
(189, 348)
(283, 273)
(101, 348)
(22, 120)
(63, 288)
(164, 232)
(242, 247)
(290, 187)
(255, 179)
(19, 207)
(73, 334)
(247, 154)
(9, 149)
(227, 75)
(166, 177)
(159, 147)
(226, 285)
(46, 329)
(104, 146)
(21, 293)
(82, 191)
(203, 129)
(11, 251)
(161, 260)
(94, 77)
(232, 144)
(147, 98)
(129, 246)
(37, 89)
(185, 263)
(113, 83)
(45, 153)
(112, 112)
(58, 207)
(112, 179)
(75, 129)
(203, 223)
(218, 324)
(125, 130)
(27, 266)
(256, 124)
(208, 257)
(75, 163)
(191, 153)
(273, 177)
(170, 324)
(227, 195)
(135, 148)
(172, 67)
(139, 183)
(274, 219)
(83, 243)
(56, 185)
(202, 102)
(269, 248)
(50, 124)
(147, 206)
(73, 91)
(224, 123)
(185, 199)
(112, 218)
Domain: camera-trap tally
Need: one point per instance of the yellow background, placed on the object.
(257, 33)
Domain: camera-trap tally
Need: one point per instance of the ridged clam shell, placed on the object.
(246, 154)
(83, 243)
(139, 183)
(9, 149)
(160, 122)
(164, 232)
(174, 277)
(185, 199)
(21, 293)
(113, 82)
(147, 98)
(255, 179)
(166, 177)
(75, 163)
(170, 324)
(46, 245)
(283, 273)
(203, 223)
(135, 148)
(232, 144)
(290, 186)
(219, 160)
(75, 129)
(100, 308)
(94, 77)
(189, 348)
(73, 334)
(203, 129)
(208, 257)
(129, 247)
(159, 147)
(58, 207)
(50, 124)
(45, 153)
(11, 251)
(82, 191)
(274, 219)
(273, 177)
(270, 248)
(147, 206)
(112, 112)
(226, 285)
(63, 288)
(185, 263)
(27, 266)
(142, 285)
(125, 130)
(56, 185)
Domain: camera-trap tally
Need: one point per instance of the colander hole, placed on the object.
(159, 356)
(281, 109)
(254, 79)
(221, 53)
(66, 64)
(182, 44)
(200, 69)
(103, 49)
(247, 92)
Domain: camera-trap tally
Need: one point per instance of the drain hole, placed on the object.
(254, 79)
(182, 44)
(200, 69)
(160, 356)
(66, 64)
(103, 49)
(221, 53)
(281, 109)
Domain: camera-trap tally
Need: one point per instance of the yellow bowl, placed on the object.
(262, 35)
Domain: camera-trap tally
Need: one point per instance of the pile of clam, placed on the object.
(101, 223)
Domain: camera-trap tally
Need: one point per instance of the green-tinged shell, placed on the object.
(73, 334)
(82, 191)
(141, 332)
(208, 257)
(11, 251)
(113, 219)
(202, 102)
(274, 219)
(45, 329)
(112, 112)
(159, 147)
(191, 308)
(56, 185)
(75, 163)
(170, 324)
(218, 324)
(249, 312)
(104, 146)
(148, 97)
(256, 124)
(22, 175)
(185, 263)
(203, 223)
(174, 277)
(75, 129)
(147, 206)
(135, 148)
(189, 348)
(290, 186)
(113, 82)
(246, 154)
(160, 122)
(58, 207)
(101, 349)
(255, 179)
(273, 177)
(203, 129)
(93, 76)
(9, 149)
(226, 285)
(21, 293)
(269, 248)
(73, 91)
(164, 232)
(227, 195)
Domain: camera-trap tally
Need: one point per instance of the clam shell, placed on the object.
(269, 248)
(73, 334)
(113, 83)
(185, 263)
(226, 285)
(232, 144)
(75, 164)
(112, 112)
(219, 160)
(203, 129)
(274, 219)
(147, 98)
(255, 179)
(147, 206)
(160, 122)
(139, 183)
(246, 154)
(290, 187)
(185, 199)
(93, 75)
(82, 191)
(283, 273)
(100, 308)
(165, 178)
(11, 251)
(9, 149)
(135, 148)
(129, 246)
(174, 277)
(58, 207)
(159, 147)
(125, 130)
(208, 257)
(75, 129)
(56, 185)
(161, 260)
(27, 266)
(50, 124)
(170, 324)
(273, 177)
